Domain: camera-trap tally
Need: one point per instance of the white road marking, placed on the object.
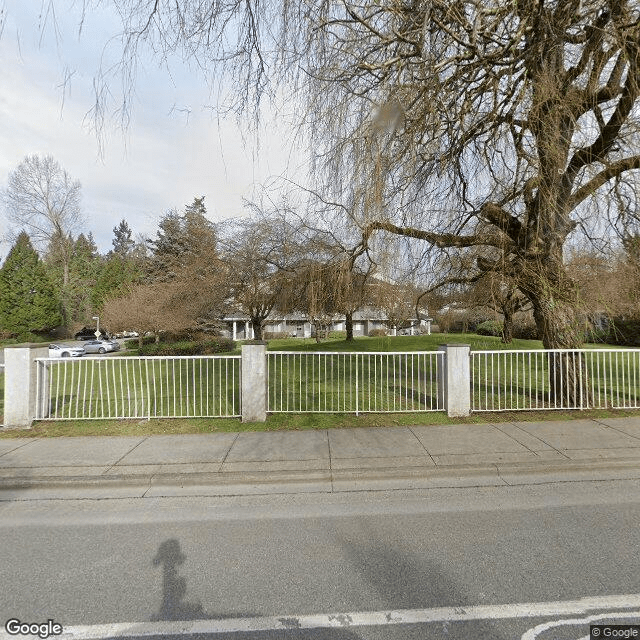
(532, 634)
(583, 606)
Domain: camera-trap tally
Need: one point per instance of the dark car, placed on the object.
(86, 333)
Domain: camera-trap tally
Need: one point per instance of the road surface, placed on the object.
(529, 562)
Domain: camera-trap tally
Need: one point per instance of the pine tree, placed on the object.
(180, 239)
(122, 242)
(28, 301)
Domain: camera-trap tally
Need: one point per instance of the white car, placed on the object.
(65, 351)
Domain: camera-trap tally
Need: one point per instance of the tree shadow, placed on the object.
(174, 587)
(175, 607)
(406, 580)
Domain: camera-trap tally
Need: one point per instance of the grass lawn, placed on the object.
(283, 422)
(401, 343)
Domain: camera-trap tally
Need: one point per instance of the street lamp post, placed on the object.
(97, 319)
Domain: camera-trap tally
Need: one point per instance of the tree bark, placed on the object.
(348, 324)
(507, 326)
(556, 311)
(256, 323)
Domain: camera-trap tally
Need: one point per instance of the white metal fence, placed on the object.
(555, 379)
(138, 387)
(334, 382)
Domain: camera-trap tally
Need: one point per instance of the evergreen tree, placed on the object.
(28, 300)
(122, 242)
(115, 274)
(83, 271)
(181, 239)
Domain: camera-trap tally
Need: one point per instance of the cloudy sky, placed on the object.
(174, 149)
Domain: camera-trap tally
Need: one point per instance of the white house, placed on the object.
(365, 320)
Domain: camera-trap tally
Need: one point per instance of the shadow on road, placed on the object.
(174, 587)
(175, 606)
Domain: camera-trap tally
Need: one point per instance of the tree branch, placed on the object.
(440, 240)
(613, 170)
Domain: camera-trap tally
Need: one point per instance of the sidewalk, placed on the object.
(330, 460)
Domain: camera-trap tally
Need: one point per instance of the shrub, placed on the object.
(489, 328)
(525, 330)
(275, 335)
(377, 333)
(338, 334)
(188, 348)
(625, 332)
(132, 343)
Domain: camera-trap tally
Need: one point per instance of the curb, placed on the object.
(333, 481)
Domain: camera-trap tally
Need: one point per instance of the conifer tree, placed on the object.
(122, 241)
(28, 302)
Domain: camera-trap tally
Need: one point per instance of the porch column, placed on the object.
(235, 333)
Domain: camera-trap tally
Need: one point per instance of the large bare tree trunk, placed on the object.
(256, 323)
(348, 324)
(507, 326)
(555, 309)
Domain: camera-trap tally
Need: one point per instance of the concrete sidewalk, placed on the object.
(324, 460)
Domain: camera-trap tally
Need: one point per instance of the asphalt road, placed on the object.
(295, 566)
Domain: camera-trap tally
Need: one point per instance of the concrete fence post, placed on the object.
(20, 376)
(454, 380)
(254, 382)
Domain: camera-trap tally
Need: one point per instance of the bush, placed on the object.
(625, 332)
(377, 333)
(338, 334)
(489, 328)
(188, 348)
(132, 343)
(275, 335)
(525, 330)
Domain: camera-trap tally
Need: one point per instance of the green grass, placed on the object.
(281, 422)
(401, 343)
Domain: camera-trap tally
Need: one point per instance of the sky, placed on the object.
(174, 149)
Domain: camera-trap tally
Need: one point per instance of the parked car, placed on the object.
(126, 334)
(101, 346)
(86, 333)
(65, 351)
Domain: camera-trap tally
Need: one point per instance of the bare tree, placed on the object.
(472, 123)
(259, 254)
(43, 199)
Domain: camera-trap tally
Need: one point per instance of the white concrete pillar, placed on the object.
(20, 376)
(254, 382)
(428, 327)
(394, 330)
(234, 331)
(454, 380)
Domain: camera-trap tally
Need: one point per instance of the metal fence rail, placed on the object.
(555, 379)
(334, 382)
(138, 387)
